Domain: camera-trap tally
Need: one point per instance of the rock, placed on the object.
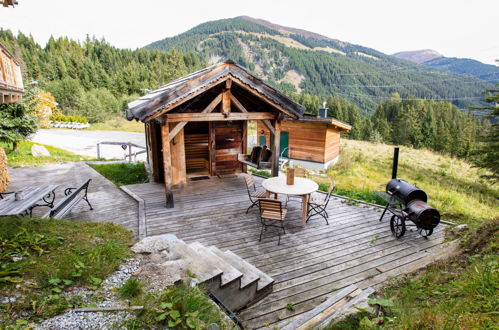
(459, 229)
(154, 244)
(38, 151)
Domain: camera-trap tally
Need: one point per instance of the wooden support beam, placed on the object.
(167, 163)
(268, 125)
(244, 146)
(212, 148)
(213, 104)
(180, 117)
(276, 147)
(226, 103)
(177, 150)
(238, 104)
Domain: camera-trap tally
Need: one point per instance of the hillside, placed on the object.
(486, 72)
(301, 61)
(418, 56)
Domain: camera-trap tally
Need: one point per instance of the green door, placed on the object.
(284, 144)
(263, 140)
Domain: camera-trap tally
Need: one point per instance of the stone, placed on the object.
(459, 229)
(154, 244)
(38, 151)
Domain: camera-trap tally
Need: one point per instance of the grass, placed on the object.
(454, 186)
(178, 307)
(460, 293)
(24, 158)
(118, 124)
(123, 174)
(41, 260)
(131, 288)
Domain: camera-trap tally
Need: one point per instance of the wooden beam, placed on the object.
(213, 104)
(244, 147)
(177, 149)
(181, 117)
(267, 123)
(238, 104)
(167, 163)
(228, 83)
(226, 102)
(212, 148)
(276, 147)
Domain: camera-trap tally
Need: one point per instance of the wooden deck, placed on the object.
(109, 202)
(310, 264)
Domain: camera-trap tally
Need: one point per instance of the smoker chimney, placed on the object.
(322, 111)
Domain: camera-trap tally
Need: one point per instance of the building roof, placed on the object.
(186, 88)
(7, 3)
(319, 120)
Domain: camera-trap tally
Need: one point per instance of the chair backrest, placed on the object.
(250, 181)
(256, 153)
(300, 172)
(266, 155)
(330, 192)
(270, 205)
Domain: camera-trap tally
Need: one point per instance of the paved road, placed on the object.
(84, 142)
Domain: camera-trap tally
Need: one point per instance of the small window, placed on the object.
(263, 140)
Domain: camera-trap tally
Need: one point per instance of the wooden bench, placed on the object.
(260, 158)
(73, 197)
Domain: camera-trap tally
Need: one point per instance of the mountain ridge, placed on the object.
(297, 60)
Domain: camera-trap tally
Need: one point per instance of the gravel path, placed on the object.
(83, 142)
(103, 320)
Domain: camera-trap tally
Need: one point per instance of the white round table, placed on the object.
(302, 187)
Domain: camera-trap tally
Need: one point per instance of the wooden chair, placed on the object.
(317, 205)
(272, 215)
(301, 173)
(253, 193)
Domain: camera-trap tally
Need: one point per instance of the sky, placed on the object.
(454, 28)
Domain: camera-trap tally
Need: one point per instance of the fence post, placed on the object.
(129, 152)
(98, 150)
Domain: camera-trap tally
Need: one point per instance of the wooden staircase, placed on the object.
(234, 281)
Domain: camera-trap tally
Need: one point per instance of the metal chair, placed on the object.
(253, 193)
(272, 215)
(318, 205)
(302, 173)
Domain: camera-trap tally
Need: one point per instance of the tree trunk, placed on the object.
(14, 146)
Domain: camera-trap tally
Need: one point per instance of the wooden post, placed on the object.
(177, 149)
(212, 147)
(167, 163)
(276, 146)
(244, 147)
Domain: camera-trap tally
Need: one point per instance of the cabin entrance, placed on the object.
(197, 155)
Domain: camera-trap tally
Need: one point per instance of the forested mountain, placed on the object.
(300, 61)
(93, 78)
(488, 73)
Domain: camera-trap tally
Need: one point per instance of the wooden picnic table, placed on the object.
(33, 196)
(302, 187)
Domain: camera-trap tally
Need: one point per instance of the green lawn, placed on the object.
(41, 259)
(23, 158)
(122, 174)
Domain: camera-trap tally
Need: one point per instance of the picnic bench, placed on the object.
(73, 197)
(32, 197)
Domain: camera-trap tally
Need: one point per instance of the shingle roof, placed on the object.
(183, 89)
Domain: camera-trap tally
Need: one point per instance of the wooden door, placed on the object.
(228, 143)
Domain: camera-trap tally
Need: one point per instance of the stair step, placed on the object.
(249, 276)
(264, 279)
(229, 272)
(203, 270)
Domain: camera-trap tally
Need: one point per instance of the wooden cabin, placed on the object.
(198, 124)
(11, 81)
(312, 142)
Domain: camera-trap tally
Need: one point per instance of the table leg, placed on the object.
(304, 209)
(275, 196)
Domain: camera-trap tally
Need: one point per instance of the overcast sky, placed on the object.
(455, 28)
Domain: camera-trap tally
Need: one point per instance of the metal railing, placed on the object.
(124, 146)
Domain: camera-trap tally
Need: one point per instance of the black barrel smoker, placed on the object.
(407, 202)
